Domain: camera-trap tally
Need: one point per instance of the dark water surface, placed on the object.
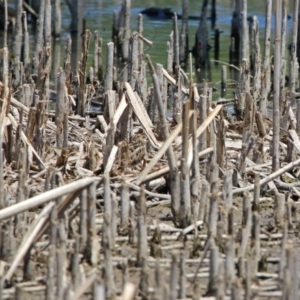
(98, 15)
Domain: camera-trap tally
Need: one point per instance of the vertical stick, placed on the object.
(108, 85)
(266, 83)
(60, 107)
(282, 256)
(234, 56)
(203, 199)
(176, 42)
(283, 37)
(256, 195)
(82, 72)
(256, 240)
(185, 212)
(229, 261)
(47, 44)
(276, 88)
(248, 292)
(107, 241)
(125, 204)
(213, 211)
(18, 31)
(174, 278)
(39, 36)
(246, 225)
(5, 23)
(236, 290)
(83, 219)
(182, 280)
(213, 268)
(203, 107)
(61, 261)
(293, 62)
(114, 217)
(20, 223)
(134, 64)
(292, 269)
(244, 33)
(279, 210)
(2, 203)
(75, 262)
(25, 47)
(57, 23)
(159, 72)
(67, 63)
(65, 130)
(126, 32)
(257, 62)
(92, 242)
(52, 262)
(19, 293)
(132, 225)
(223, 81)
(213, 13)
(143, 84)
(195, 182)
(142, 230)
(98, 290)
(170, 53)
(47, 25)
(177, 101)
(141, 43)
(201, 43)
(98, 57)
(184, 37)
(76, 9)
(144, 286)
(227, 189)
(175, 193)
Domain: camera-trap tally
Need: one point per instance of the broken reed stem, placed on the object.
(83, 230)
(176, 42)
(39, 36)
(60, 107)
(266, 84)
(2, 203)
(185, 211)
(268, 178)
(125, 205)
(92, 243)
(46, 197)
(195, 182)
(28, 239)
(108, 84)
(107, 245)
(246, 224)
(58, 18)
(276, 87)
(174, 276)
(18, 31)
(293, 63)
(213, 269)
(184, 38)
(82, 74)
(142, 230)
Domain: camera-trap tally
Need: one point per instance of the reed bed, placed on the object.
(137, 185)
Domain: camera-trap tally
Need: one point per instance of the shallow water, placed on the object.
(99, 14)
